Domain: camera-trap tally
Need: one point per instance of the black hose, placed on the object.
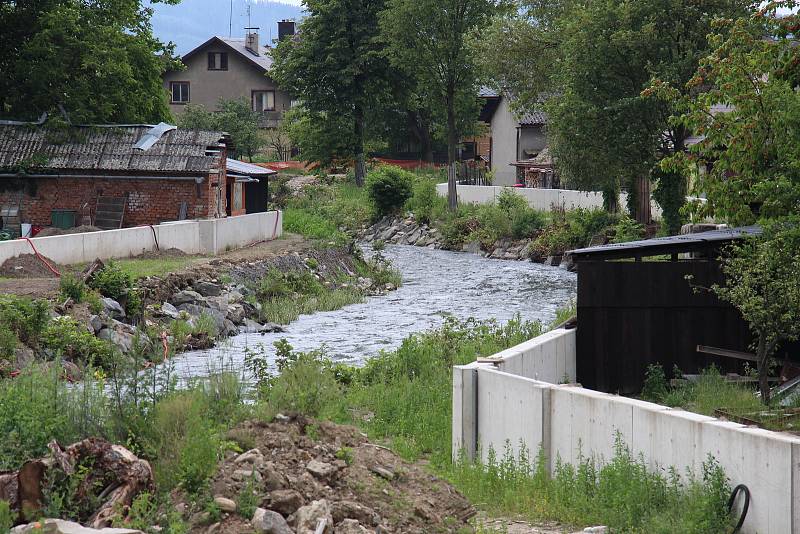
(155, 237)
(745, 506)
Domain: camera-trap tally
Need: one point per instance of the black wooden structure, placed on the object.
(633, 313)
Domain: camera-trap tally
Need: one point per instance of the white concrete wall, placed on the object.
(499, 405)
(210, 236)
(540, 199)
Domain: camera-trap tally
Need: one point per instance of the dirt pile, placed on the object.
(51, 231)
(26, 266)
(308, 472)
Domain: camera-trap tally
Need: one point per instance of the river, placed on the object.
(436, 283)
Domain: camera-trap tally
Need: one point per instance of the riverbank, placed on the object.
(335, 210)
(106, 309)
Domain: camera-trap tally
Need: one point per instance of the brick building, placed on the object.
(111, 176)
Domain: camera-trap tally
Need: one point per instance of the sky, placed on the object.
(192, 22)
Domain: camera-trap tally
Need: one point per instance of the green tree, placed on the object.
(762, 280)
(235, 117)
(743, 105)
(335, 67)
(429, 38)
(98, 61)
(596, 62)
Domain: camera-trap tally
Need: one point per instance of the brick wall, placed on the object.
(149, 201)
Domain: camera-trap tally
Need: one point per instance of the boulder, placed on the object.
(96, 322)
(122, 340)
(253, 457)
(320, 470)
(350, 526)
(223, 327)
(207, 289)
(186, 297)
(168, 310)
(310, 516)
(225, 504)
(236, 313)
(72, 372)
(59, 526)
(245, 475)
(23, 356)
(113, 308)
(270, 522)
(341, 510)
(286, 502)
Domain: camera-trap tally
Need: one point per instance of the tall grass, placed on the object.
(623, 494)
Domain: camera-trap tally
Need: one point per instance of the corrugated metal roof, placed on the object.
(248, 169)
(487, 92)
(101, 148)
(665, 245)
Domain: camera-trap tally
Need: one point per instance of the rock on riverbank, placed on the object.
(408, 231)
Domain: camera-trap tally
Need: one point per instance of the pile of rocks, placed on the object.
(312, 477)
(407, 231)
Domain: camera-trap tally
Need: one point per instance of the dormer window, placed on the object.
(217, 61)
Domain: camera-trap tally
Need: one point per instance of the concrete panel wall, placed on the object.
(513, 412)
(210, 236)
(503, 403)
(540, 199)
(549, 357)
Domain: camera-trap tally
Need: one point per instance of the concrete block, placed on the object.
(667, 438)
(513, 414)
(585, 424)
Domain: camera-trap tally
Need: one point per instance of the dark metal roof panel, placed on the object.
(660, 245)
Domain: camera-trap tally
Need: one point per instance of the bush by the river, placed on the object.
(388, 189)
(332, 211)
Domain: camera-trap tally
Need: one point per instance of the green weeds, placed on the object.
(623, 493)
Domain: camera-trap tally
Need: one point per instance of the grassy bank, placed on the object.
(334, 209)
(402, 398)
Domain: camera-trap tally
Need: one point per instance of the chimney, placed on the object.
(251, 41)
(286, 28)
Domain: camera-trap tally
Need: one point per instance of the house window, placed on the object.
(263, 101)
(180, 92)
(217, 61)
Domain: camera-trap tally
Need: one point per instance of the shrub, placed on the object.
(70, 340)
(655, 387)
(248, 499)
(626, 230)
(72, 287)
(24, 317)
(113, 282)
(388, 189)
(8, 343)
(510, 201)
(305, 384)
(526, 222)
(425, 203)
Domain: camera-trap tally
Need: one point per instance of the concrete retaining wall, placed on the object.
(540, 199)
(210, 236)
(495, 405)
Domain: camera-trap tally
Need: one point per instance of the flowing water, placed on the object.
(436, 283)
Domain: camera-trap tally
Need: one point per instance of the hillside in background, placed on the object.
(192, 22)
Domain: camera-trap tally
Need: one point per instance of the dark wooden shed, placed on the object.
(633, 313)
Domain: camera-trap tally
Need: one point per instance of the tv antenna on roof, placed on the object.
(248, 13)
(230, 22)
